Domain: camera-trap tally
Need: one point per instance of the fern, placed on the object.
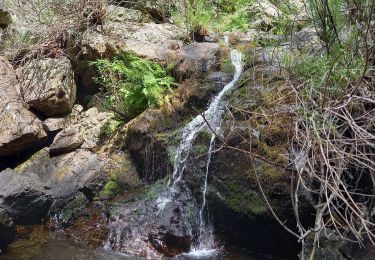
(133, 84)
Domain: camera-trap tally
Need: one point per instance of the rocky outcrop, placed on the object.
(20, 129)
(48, 85)
(195, 59)
(120, 14)
(81, 129)
(64, 174)
(24, 197)
(149, 40)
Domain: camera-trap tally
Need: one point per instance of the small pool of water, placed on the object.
(37, 243)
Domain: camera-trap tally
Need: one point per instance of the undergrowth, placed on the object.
(133, 84)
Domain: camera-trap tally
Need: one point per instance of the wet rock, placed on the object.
(7, 229)
(148, 152)
(48, 85)
(81, 129)
(20, 129)
(332, 246)
(219, 78)
(172, 237)
(24, 196)
(72, 210)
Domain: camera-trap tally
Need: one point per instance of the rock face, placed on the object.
(81, 129)
(195, 59)
(7, 229)
(24, 197)
(48, 86)
(65, 174)
(20, 129)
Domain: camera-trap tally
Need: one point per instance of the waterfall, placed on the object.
(210, 120)
(205, 234)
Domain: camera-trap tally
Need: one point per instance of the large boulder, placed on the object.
(195, 59)
(24, 197)
(7, 229)
(66, 174)
(48, 85)
(20, 129)
(149, 40)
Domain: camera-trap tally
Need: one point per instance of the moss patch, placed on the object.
(245, 201)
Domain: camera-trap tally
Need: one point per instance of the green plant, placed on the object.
(201, 17)
(110, 126)
(111, 188)
(326, 74)
(133, 84)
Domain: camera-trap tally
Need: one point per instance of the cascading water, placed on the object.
(174, 218)
(210, 120)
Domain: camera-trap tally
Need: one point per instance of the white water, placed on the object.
(205, 235)
(210, 120)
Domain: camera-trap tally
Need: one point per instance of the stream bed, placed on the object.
(38, 243)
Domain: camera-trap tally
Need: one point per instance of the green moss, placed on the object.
(111, 188)
(153, 191)
(245, 201)
(37, 157)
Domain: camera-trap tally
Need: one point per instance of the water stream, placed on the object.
(210, 121)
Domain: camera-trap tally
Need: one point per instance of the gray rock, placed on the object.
(7, 229)
(120, 14)
(65, 142)
(20, 129)
(48, 86)
(196, 59)
(64, 174)
(149, 40)
(219, 77)
(82, 129)
(24, 197)
(54, 124)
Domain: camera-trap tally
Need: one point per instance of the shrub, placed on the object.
(132, 84)
(201, 17)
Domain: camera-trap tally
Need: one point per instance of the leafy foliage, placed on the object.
(133, 84)
(209, 16)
